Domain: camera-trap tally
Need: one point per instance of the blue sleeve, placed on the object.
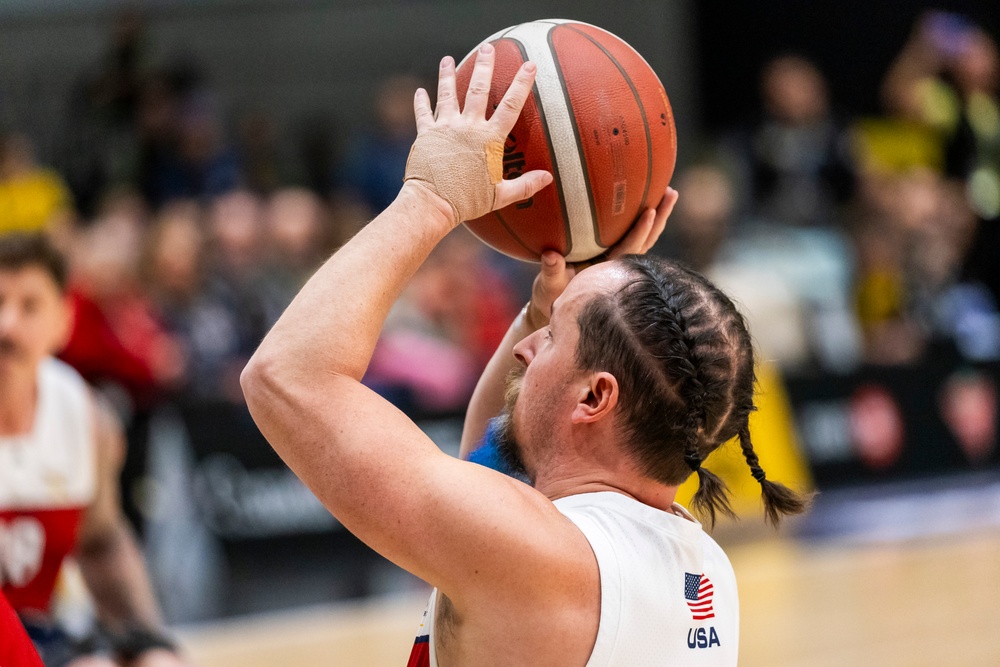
(486, 454)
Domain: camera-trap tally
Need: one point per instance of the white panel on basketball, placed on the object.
(569, 161)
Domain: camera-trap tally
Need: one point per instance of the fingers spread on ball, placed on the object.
(447, 98)
(422, 110)
(513, 100)
(478, 96)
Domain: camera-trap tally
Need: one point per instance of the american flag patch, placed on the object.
(698, 594)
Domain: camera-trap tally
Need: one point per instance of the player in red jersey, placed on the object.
(61, 452)
(16, 650)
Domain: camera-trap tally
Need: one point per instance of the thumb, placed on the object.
(521, 188)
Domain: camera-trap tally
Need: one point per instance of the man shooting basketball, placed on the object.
(632, 372)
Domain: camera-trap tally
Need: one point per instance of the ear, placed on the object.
(598, 401)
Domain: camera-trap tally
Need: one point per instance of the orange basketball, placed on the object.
(598, 119)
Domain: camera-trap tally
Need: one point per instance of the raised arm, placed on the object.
(367, 462)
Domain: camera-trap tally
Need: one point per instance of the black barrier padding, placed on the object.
(281, 548)
(833, 423)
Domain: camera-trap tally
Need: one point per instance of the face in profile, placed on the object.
(34, 317)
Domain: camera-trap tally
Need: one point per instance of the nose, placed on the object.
(524, 350)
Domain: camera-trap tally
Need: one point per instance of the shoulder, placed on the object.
(98, 415)
(68, 397)
(59, 372)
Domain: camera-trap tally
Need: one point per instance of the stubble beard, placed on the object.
(508, 447)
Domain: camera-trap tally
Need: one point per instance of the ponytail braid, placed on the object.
(778, 499)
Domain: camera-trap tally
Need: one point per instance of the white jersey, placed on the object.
(47, 480)
(668, 592)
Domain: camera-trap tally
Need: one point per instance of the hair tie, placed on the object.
(758, 474)
(693, 461)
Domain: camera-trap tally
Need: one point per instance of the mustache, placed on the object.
(512, 386)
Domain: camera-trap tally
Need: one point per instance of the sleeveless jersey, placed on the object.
(668, 592)
(47, 480)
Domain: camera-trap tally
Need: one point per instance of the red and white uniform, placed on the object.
(47, 480)
(668, 592)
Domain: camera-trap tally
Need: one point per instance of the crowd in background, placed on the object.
(849, 240)
(860, 240)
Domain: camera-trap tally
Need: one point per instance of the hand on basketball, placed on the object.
(556, 273)
(458, 154)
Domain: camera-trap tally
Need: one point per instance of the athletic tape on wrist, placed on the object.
(462, 167)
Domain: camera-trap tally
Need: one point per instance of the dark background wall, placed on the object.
(309, 58)
(303, 58)
(852, 42)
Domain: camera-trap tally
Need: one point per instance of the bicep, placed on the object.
(453, 523)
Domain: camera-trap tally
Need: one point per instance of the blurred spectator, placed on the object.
(116, 336)
(32, 198)
(296, 239)
(793, 284)
(369, 177)
(101, 139)
(225, 320)
(797, 161)
(442, 331)
(912, 235)
(258, 148)
(199, 164)
(947, 77)
(703, 219)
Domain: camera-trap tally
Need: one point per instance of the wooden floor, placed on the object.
(933, 602)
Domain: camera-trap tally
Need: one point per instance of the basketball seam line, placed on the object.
(579, 145)
(642, 112)
(552, 159)
(552, 156)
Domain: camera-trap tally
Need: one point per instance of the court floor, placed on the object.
(933, 601)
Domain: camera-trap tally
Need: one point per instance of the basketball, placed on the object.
(598, 119)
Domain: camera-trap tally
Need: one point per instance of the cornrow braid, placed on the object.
(778, 498)
(712, 495)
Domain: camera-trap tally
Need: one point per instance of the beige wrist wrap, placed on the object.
(462, 168)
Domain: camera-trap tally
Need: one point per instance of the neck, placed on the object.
(18, 400)
(645, 491)
(602, 468)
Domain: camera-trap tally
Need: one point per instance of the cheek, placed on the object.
(47, 334)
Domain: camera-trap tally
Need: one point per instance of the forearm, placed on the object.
(116, 577)
(488, 398)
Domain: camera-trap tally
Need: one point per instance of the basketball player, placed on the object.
(632, 371)
(60, 455)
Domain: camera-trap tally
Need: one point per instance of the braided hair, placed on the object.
(683, 358)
